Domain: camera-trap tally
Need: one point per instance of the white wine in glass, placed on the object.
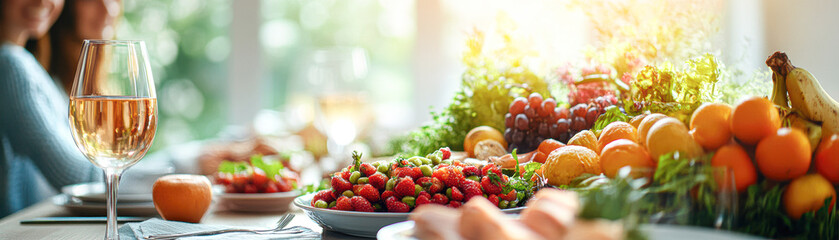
(113, 111)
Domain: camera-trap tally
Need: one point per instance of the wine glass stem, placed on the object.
(112, 182)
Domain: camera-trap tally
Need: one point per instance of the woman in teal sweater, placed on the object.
(37, 152)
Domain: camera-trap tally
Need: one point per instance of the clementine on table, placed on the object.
(736, 162)
(623, 152)
(784, 155)
(753, 119)
(645, 126)
(807, 194)
(670, 135)
(827, 158)
(615, 131)
(709, 125)
(182, 197)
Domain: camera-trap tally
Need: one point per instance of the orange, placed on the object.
(670, 135)
(623, 152)
(827, 158)
(709, 125)
(636, 121)
(567, 163)
(545, 148)
(736, 163)
(615, 131)
(645, 126)
(585, 138)
(479, 134)
(182, 197)
(807, 194)
(784, 155)
(753, 119)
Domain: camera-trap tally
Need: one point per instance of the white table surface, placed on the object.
(10, 227)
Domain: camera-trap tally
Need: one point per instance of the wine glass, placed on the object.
(342, 109)
(113, 110)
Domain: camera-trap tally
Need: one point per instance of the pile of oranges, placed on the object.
(747, 140)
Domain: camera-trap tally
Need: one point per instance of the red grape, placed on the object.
(508, 120)
(578, 124)
(517, 106)
(530, 112)
(563, 125)
(535, 100)
(579, 110)
(547, 107)
(561, 112)
(522, 123)
(591, 116)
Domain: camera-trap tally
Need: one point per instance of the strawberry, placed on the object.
(356, 189)
(416, 173)
(510, 196)
(455, 204)
(344, 204)
(491, 167)
(494, 199)
(447, 153)
(367, 169)
(450, 176)
(440, 199)
(426, 194)
(456, 194)
(436, 186)
(346, 175)
(405, 187)
(378, 180)
(362, 205)
(401, 172)
(394, 205)
(387, 194)
(258, 177)
(424, 181)
(422, 199)
(471, 171)
(250, 188)
(324, 195)
(471, 189)
(490, 187)
(339, 185)
(369, 192)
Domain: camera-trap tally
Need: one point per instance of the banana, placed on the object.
(811, 129)
(779, 91)
(806, 95)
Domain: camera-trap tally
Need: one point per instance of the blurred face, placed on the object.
(32, 17)
(95, 18)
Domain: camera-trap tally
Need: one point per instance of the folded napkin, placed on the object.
(156, 226)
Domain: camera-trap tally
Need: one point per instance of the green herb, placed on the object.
(522, 183)
(312, 188)
(269, 166)
(763, 214)
(491, 81)
(612, 115)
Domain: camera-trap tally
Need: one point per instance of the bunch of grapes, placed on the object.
(533, 119)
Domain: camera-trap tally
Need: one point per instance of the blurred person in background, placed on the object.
(80, 20)
(37, 152)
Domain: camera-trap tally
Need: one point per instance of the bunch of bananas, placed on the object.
(812, 110)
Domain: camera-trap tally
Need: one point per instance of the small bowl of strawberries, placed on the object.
(261, 185)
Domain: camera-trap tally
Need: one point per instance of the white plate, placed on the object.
(95, 192)
(362, 224)
(79, 207)
(256, 202)
(405, 230)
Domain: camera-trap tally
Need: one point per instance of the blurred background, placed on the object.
(367, 70)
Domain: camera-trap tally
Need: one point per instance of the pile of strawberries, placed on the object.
(401, 185)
